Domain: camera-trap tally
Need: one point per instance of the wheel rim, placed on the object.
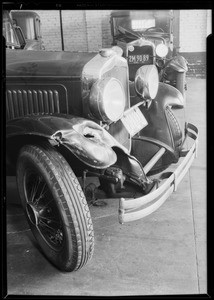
(42, 211)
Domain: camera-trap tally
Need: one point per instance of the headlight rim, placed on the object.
(97, 103)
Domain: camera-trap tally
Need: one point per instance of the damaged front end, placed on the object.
(115, 167)
(101, 153)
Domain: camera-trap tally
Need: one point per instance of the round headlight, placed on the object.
(161, 50)
(107, 100)
(147, 81)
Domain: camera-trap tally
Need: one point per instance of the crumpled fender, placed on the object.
(84, 138)
(178, 63)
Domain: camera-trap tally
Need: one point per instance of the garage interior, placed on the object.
(164, 253)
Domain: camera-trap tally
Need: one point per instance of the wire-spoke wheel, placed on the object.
(55, 206)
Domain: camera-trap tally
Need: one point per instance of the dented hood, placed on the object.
(46, 63)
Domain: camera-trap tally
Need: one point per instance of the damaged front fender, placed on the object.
(87, 140)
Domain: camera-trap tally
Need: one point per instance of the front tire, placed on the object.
(55, 206)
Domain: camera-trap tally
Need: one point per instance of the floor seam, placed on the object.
(194, 231)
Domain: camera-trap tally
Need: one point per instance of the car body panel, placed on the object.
(46, 63)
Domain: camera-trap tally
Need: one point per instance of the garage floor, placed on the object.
(164, 253)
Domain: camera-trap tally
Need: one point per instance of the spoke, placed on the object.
(42, 193)
(34, 190)
(55, 237)
(48, 203)
(48, 219)
(43, 224)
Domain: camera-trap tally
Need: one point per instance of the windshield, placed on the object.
(135, 25)
(8, 32)
(141, 20)
(27, 26)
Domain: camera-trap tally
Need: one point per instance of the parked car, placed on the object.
(13, 35)
(75, 115)
(146, 37)
(30, 24)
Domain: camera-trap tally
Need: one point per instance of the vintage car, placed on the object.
(13, 35)
(25, 27)
(146, 37)
(30, 23)
(71, 116)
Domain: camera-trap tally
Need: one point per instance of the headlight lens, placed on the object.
(147, 81)
(107, 100)
(161, 50)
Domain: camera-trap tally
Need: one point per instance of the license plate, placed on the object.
(138, 58)
(134, 120)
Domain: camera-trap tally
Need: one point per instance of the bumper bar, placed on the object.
(134, 209)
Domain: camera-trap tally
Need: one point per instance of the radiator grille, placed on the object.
(26, 102)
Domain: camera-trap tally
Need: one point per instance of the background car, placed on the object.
(21, 30)
(146, 37)
(13, 35)
(30, 24)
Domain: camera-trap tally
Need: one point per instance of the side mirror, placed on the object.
(20, 36)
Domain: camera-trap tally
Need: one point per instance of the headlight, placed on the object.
(161, 50)
(147, 81)
(107, 100)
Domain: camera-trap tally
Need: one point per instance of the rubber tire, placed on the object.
(180, 82)
(70, 201)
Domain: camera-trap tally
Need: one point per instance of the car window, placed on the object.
(8, 33)
(133, 24)
(27, 26)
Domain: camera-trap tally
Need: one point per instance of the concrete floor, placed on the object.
(164, 253)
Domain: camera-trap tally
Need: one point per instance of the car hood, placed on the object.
(46, 63)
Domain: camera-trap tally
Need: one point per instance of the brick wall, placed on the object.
(196, 63)
(83, 30)
(74, 33)
(50, 27)
(89, 30)
(193, 30)
(195, 26)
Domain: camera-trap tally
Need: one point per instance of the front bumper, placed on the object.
(134, 209)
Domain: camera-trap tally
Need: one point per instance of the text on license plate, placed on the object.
(139, 58)
(134, 121)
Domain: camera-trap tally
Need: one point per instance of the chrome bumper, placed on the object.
(134, 209)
